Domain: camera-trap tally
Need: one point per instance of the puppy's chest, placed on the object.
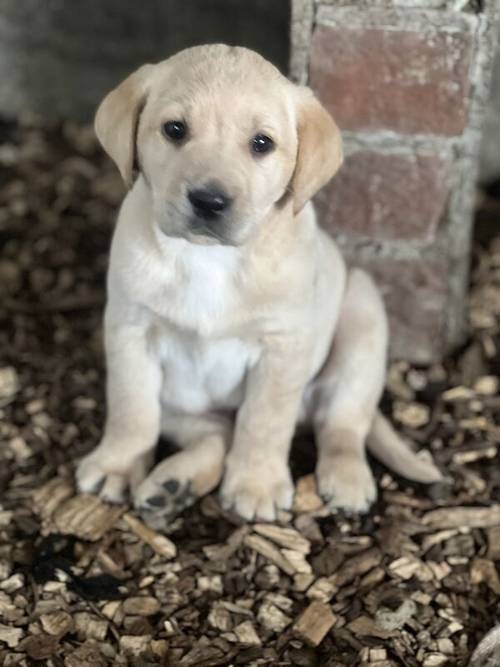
(202, 374)
(200, 294)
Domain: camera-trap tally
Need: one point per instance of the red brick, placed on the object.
(401, 80)
(416, 296)
(383, 196)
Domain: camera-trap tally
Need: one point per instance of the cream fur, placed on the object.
(225, 343)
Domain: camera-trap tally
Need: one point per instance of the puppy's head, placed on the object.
(222, 140)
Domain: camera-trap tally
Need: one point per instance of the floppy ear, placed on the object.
(117, 119)
(319, 152)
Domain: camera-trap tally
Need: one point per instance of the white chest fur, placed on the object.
(202, 374)
(203, 366)
(191, 294)
(205, 285)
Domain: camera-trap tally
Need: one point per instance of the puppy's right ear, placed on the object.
(117, 119)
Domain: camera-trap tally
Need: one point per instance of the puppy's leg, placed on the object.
(257, 479)
(133, 416)
(348, 392)
(181, 479)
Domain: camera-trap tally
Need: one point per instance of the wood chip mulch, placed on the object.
(82, 584)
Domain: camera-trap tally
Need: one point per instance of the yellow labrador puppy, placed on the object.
(231, 316)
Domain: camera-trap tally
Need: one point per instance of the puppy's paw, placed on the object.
(103, 474)
(177, 483)
(159, 502)
(257, 493)
(345, 482)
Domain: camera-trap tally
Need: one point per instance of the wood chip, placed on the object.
(286, 537)
(141, 606)
(314, 623)
(457, 394)
(458, 517)
(493, 536)
(482, 570)
(220, 618)
(472, 455)
(306, 497)
(134, 646)
(301, 582)
(246, 634)
(57, 623)
(436, 538)
(414, 415)
(13, 583)
(9, 385)
(270, 552)
(439, 570)
(40, 647)
(272, 618)
(487, 653)
(159, 543)
(298, 561)
(212, 584)
(389, 619)
(10, 636)
(86, 655)
(435, 660)
(404, 567)
(377, 655)
(356, 566)
(487, 385)
(83, 516)
(366, 626)
(89, 626)
(322, 590)
(50, 496)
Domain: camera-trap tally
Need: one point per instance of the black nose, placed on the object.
(208, 201)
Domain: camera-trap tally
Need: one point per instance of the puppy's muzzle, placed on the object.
(208, 203)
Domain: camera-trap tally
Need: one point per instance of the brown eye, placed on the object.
(174, 129)
(261, 143)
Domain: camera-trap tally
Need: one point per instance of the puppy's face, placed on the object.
(222, 140)
(216, 144)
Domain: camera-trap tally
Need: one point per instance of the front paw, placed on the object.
(257, 492)
(104, 472)
(345, 482)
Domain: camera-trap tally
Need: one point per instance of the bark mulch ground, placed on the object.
(84, 584)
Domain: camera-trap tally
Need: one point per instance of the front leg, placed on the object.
(257, 479)
(133, 412)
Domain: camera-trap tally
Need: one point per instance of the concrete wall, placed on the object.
(59, 57)
(490, 148)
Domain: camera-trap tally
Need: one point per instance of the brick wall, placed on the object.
(407, 83)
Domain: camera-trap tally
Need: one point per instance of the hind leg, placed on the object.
(347, 395)
(181, 479)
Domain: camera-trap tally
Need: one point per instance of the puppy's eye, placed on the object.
(174, 129)
(261, 143)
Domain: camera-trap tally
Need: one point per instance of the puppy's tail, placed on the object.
(389, 448)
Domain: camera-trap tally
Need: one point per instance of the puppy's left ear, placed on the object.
(117, 119)
(319, 153)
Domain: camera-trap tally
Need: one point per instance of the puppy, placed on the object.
(231, 316)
